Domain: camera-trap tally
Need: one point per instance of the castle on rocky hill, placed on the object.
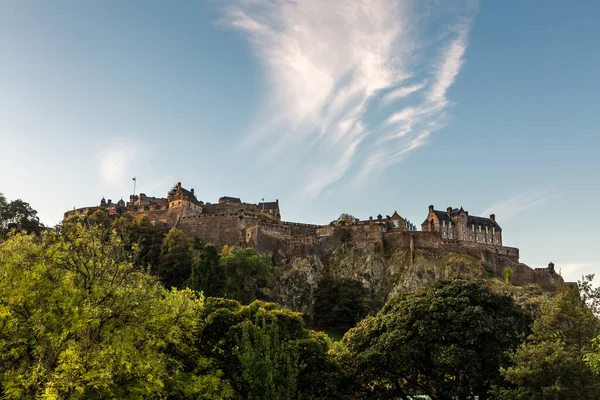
(233, 222)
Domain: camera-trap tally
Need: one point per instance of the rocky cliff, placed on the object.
(385, 272)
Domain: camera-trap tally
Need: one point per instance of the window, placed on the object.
(463, 227)
(450, 235)
(473, 226)
(470, 237)
(479, 228)
(449, 224)
(497, 241)
(444, 234)
(444, 224)
(493, 230)
(476, 238)
(486, 229)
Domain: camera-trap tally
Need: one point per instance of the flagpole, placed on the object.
(134, 182)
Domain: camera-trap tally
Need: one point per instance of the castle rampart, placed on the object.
(233, 222)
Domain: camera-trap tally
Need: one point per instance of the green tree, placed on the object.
(508, 275)
(208, 276)
(344, 219)
(339, 304)
(269, 365)
(78, 320)
(246, 273)
(447, 340)
(265, 351)
(176, 259)
(550, 364)
(18, 215)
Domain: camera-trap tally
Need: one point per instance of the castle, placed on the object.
(233, 222)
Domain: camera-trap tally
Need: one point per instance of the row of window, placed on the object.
(464, 227)
(490, 240)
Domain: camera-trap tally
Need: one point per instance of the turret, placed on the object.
(431, 208)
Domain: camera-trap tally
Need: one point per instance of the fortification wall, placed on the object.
(271, 237)
(366, 236)
(219, 229)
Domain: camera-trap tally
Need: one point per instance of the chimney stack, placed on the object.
(431, 208)
(449, 210)
(493, 217)
(192, 190)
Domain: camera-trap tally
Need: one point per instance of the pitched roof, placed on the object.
(441, 215)
(483, 221)
(395, 215)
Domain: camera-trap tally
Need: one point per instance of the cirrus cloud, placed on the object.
(328, 63)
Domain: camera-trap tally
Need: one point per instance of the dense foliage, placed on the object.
(78, 320)
(447, 340)
(339, 304)
(550, 364)
(17, 215)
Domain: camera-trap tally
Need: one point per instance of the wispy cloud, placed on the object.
(328, 62)
(515, 205)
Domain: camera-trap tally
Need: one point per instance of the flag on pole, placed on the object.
(133, 178)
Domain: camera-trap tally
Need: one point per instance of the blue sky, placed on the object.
(330, 107)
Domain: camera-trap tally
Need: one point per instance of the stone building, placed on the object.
(457, 224)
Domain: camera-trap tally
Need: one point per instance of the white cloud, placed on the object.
(515, 205)
(401, 92)
(326, 62)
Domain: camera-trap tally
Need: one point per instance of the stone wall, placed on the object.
(219, 229)
(366, 235)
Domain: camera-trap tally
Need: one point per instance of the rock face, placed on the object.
(387, 272)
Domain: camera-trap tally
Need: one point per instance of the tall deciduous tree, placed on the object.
(447, 340)
(19, 215)
(176, 259)
(247, 272)
(266, 351)
(79, 321)
(208, 276)
(550, 364)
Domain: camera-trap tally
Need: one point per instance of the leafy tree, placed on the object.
(447, 340)
(344, 219)
(78, 320)
(339, 304)
(508, 275)
(208, 276)
(18, 215)
(176, 259)
(550, 364)
(246, 272)
(265, 351)
(269, 366)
